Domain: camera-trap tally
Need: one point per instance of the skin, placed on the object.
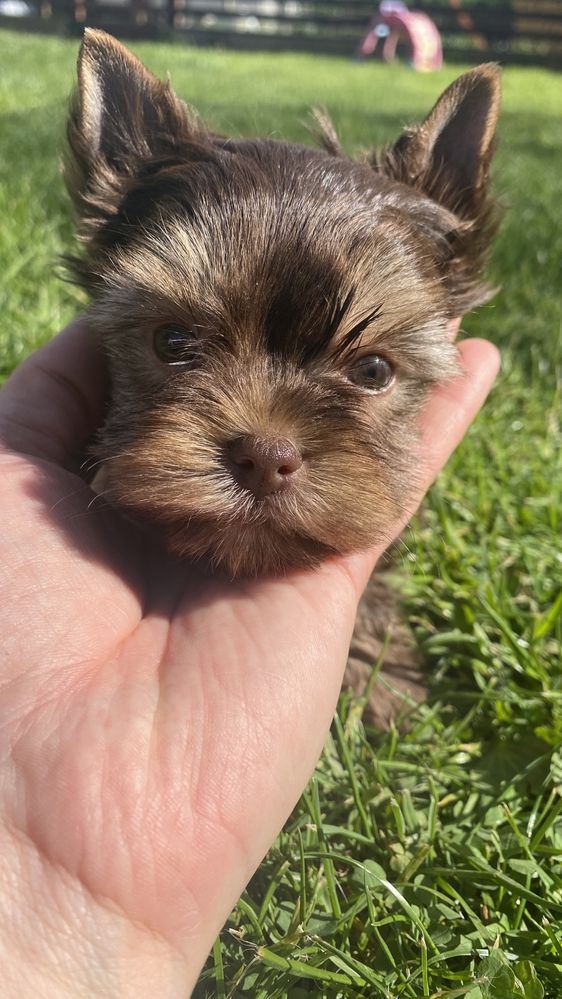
(157, 727)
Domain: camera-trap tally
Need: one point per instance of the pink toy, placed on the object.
(394, 23)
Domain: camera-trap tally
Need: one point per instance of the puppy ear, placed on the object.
(448, 156)
(121, 117)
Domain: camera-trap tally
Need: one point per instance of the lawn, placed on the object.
(427, 863)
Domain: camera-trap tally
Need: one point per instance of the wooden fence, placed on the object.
(521, 31)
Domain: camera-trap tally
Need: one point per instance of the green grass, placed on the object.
(411, 858)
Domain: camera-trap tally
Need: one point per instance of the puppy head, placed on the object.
(274, 315)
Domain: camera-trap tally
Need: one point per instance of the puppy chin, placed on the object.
(236, 551)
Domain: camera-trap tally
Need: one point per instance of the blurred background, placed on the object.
(522, 31)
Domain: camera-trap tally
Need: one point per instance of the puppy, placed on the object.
(274, 316)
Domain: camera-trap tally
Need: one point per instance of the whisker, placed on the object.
(97, 496)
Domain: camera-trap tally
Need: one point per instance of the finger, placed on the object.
(54, 401)
(453, 406)
(454, 327)
(444, 422)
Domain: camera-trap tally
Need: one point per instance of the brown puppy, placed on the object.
(274, 317)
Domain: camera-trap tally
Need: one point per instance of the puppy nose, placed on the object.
(263, 465)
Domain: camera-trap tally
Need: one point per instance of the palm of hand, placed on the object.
(152, 704)
(157, 726)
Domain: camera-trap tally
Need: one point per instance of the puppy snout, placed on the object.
(263, 465)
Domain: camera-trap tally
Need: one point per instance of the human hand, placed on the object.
(157, 727)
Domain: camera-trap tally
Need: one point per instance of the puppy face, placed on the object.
(274, 315)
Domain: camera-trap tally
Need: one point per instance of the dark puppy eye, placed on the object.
(173, 344)
(373, 372)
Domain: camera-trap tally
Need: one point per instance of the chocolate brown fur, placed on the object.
(288, 263)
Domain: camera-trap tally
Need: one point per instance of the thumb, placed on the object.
(444, 422)
(53, 402)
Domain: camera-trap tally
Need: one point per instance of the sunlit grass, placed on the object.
(411, 858)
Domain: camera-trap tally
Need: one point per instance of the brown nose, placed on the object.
(263, 465)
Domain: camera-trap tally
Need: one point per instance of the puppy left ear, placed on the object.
(448, 156)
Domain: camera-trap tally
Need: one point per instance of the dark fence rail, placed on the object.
(522, 31)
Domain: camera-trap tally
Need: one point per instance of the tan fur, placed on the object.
(287, 264)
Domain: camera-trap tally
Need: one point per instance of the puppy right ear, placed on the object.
(121, 117)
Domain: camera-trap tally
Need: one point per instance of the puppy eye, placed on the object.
(373, 372)
(174, 344)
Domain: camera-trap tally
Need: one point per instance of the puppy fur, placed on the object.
(287, 264)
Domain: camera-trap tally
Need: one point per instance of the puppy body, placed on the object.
(274, 315)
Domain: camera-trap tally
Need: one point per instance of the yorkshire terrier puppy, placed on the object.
(274, 316)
